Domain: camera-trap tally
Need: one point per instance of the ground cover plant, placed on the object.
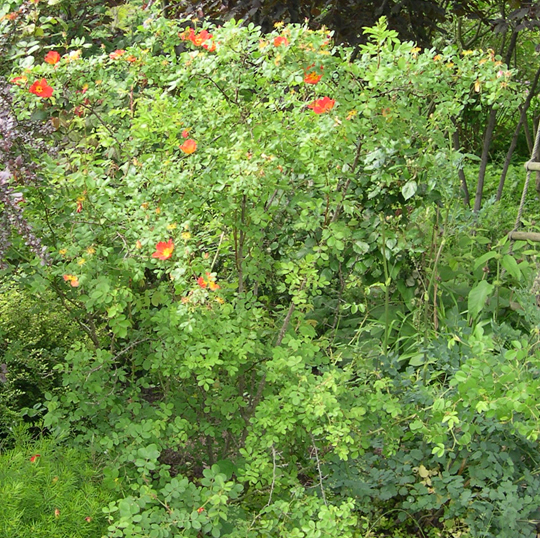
(50, 490)
(251, 234)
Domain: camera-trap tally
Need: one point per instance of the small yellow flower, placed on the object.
(477, 86)
(467, 52)
(279, 24)
(219, 300)
(138, 245)
(144, 205)
(82, 261)
(171, 226)
(351, 114)
(158, 210)
(62, 252)
(437, 57)
(90, 250)
(186, 236)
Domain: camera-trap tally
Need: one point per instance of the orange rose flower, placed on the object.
(320, 106)
(117, 54)
(41, 89)
(209, 281)
(52, 57)
(164, 250)
(198, 39)
(312, 77)
(189, 146)
(280, 40)
(20, 81)
(72, 279)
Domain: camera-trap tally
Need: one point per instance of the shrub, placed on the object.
(33, 340)
(211, 215)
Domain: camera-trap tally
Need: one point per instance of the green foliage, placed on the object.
(50, 490)
(481, 479)
(33, 340)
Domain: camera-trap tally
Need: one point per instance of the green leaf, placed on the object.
(409, 189)
(417, 360)
(483, 259)
(511, 265)
(478, 296)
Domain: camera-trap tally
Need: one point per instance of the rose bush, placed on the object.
(221, 404)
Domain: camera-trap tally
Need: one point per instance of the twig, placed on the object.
(217, 251)
(125, 350)
(92, 111)
(319, 469)
(287, 319)
(348, 182)
(273, 475)
(220, 89)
